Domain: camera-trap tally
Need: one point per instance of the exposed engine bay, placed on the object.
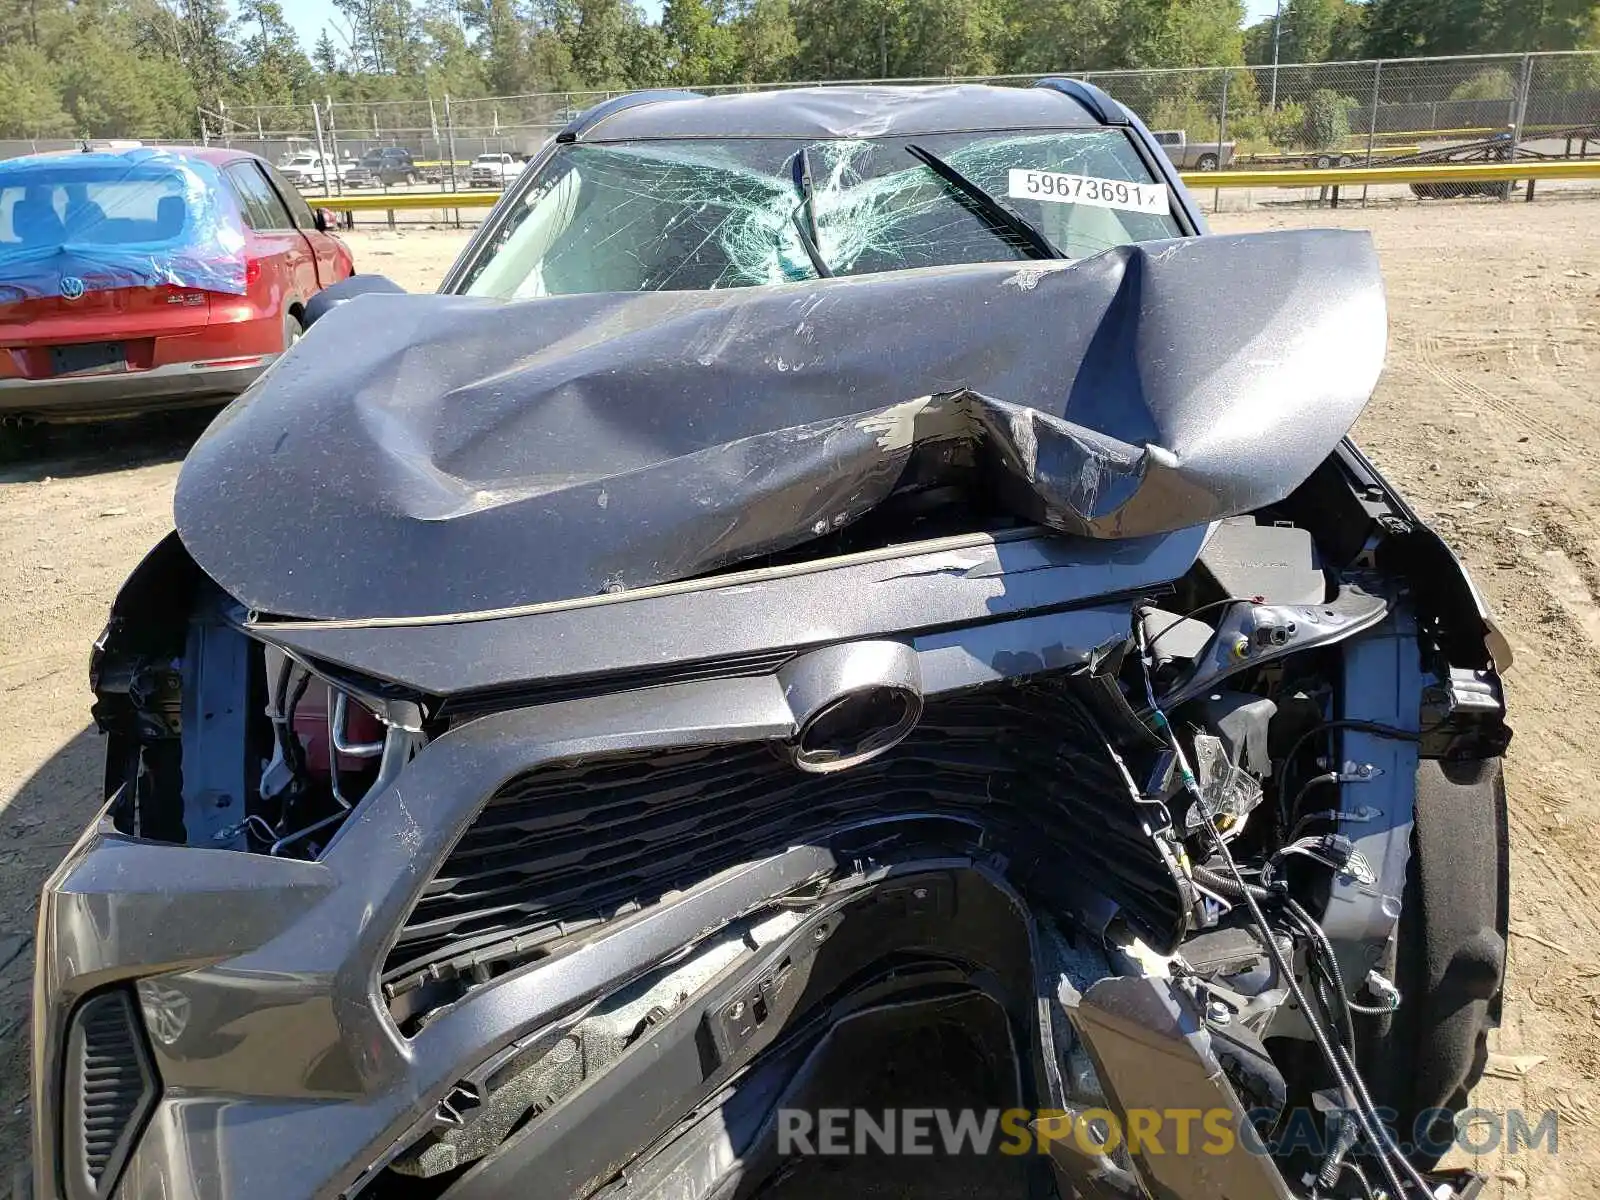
(1040, 803)
(1152, 827)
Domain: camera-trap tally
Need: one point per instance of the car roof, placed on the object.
(834, 112)
(216, 156)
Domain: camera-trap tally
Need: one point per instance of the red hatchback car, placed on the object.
(146, 278)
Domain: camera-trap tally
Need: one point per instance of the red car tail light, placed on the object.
(252, 270)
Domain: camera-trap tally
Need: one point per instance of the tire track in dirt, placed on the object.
(1426, 348)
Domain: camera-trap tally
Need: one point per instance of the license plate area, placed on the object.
(98, 357)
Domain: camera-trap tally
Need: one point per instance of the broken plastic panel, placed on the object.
(77, 223)
(1227, 791)
(706, 214)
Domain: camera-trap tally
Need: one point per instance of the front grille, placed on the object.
(110, 1089)
(566, 844)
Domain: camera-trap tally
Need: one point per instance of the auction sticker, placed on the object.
(1054, 187)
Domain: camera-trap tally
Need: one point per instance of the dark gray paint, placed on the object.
(833, 112)
(282, 1003)
(976, 580)
(1383, 683)
(440, 455)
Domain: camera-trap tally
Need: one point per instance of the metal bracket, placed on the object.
(1252, 634)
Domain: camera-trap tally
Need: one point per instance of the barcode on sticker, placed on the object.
(1053, 187)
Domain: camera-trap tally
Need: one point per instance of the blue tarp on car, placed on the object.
(76, 223)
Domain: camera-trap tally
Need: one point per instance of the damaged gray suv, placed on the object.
(849, 652)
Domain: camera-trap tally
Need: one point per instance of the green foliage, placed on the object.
(1286, 127)
(697, 50)
(600, 42)
(765, 42)
(108, 91)
(148, 67)
(1311, 31)
(847, 39)
(1157, 33)
(1410, 27)
(951, 37)
(1326, 121)
(1495, 83)
(30, 104)
(1198, 121)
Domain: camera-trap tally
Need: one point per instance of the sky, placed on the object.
(310, 17)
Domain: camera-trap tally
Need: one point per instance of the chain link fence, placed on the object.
(1321, 114)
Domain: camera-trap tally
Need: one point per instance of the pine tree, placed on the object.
(326, 54)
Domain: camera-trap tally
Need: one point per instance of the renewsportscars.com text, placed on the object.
(1179, 1131)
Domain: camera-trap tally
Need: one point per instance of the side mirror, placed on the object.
(325, 219)
(344, 291)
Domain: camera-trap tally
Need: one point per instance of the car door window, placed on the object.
(264, 211)
(249, 203)
(299, 211)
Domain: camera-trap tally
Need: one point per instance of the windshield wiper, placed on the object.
(805, 215)
(997, 216)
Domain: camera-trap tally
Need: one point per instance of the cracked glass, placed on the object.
(703, 213)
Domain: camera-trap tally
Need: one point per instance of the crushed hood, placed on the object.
(431, 455)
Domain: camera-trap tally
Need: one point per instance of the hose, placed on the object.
(1225, 886)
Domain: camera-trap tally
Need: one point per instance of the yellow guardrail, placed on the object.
(1292, 178)
(1422, 173)
(396, 201)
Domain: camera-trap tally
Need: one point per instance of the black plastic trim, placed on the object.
(589, 118)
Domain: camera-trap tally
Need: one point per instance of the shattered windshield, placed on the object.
(700, 214)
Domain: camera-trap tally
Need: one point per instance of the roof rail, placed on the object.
(1100, 105)
(589, 118)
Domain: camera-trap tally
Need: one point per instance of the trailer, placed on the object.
(1501, 146)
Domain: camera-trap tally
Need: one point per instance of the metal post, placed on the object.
(205, 134)
(1372, 122)
(883, 40)
(1222, 136)
(322, 149)
(1277, 28)
(1524, 84)
(333, 153)
(1521, 102)
(450, 133)
(433, 130)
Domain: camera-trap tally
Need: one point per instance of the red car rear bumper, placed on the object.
(122, 393)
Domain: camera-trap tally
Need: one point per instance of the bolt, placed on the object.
(919, 893)
(736, 1010)
(1218, 1013)
(821, 934)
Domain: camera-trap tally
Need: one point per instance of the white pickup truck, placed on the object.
(495, 170)
(1194, 156)
(309, 169)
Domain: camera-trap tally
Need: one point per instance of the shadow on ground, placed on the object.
(37, 828)
(36, 452)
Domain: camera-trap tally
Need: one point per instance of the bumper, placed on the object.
(283, 1071)
(86, 397)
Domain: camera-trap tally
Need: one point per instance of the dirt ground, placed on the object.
(1488, 416)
